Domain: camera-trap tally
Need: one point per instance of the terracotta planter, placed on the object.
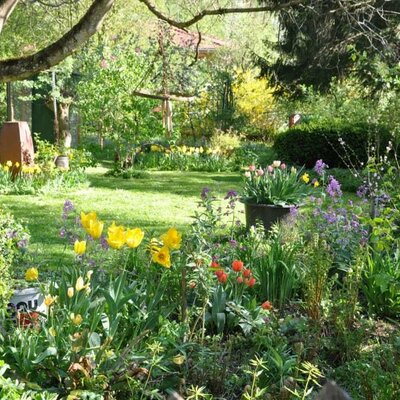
(16, 144)
(267, 214)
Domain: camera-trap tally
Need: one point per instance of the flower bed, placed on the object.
(218, 312)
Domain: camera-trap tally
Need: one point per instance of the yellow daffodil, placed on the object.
(86, 218)
(172, 239)
(70, 292)
(116, 236)
(49, 300)
(134, 237)
(162, 257)
(17, 164)
(76, 319)
(95, 228)
(31, 274)
(305, 178)
(89, 274)
(6, 168)
(9, 163)
(316, 184)
(178, 359)
(52, 332)
(80, 284)
(80, 247)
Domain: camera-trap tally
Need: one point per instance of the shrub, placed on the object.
(306, 143)
(13, 241)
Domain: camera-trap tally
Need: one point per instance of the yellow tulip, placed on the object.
(134, 237)
(80, 247)
(80, 284)
(86, 218)
(172, 239)
(116, 236)
(162, 257)
(95, 228)
(76, 319)
(305, 178)
(70, 292)
(52, 332)
(31, 274)
(89, 274)
(49, 300)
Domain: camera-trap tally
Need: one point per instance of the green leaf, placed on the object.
(49, 352)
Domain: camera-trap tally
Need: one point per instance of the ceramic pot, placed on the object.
(267, 214)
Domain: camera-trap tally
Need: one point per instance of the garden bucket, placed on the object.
(267, 214)
(62, 162)
(26, 305)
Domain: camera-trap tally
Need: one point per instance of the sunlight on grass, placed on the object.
(165, 199)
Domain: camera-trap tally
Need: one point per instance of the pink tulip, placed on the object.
(283, 166)
(252, 168)
(260, 172)
(270, 169)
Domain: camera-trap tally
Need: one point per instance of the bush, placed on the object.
(306, 143)
(13, 241)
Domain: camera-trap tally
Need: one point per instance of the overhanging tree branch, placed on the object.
(89, 24)
(218, 11)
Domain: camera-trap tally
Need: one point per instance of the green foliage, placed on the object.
(306, 143)
(13, 241)
(106, 103)
(276, 185)
(381, 284)
(277, 271)
(316, 264)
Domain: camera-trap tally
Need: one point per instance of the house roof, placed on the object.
(190, 39)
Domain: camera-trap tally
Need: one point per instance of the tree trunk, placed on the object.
(63, 123)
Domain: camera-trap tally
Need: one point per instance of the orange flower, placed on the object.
(246, 273)
(237, 265)
(266, 305)
(251, 282)
(222, 278)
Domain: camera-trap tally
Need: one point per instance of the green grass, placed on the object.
(163, 200)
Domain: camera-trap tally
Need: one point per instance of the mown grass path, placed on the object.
(162, 200)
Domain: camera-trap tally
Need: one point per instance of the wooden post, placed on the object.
(10, 103)
(56, 127)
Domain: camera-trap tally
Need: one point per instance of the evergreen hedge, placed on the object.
(306, 143)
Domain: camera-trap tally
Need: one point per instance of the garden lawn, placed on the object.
(155, 203)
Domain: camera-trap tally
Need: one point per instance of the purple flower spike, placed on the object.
(204, 193)
(231, 194)
(320, 167)
(333, 188)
